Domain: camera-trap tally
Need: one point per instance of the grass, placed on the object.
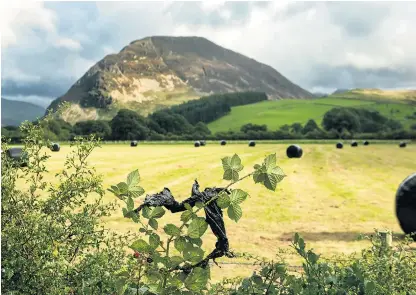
(379, 95)
(330, 196)
(277, 113)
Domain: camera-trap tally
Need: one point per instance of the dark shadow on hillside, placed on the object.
(333, 236)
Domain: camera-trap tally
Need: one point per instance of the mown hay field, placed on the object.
(329, 196)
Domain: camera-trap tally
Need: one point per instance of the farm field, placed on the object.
(287, 111)
(329, 196)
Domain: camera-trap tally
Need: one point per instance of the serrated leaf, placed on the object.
(257, 280)
(115, 190)
(180, 244)
(153, 223)
(154, 241)
(257, 166)
(238, 196)
(133, 178)
(296, 238)
(197, 227)
(125, 212)
(197, 280)
(157, 212)
(235, 163)
(146, 212)
(186, 216)
(234, 212)
(176, 260)
(130, 204)
(197, 241)
(172, 230)
(223, 200)
(140, 246)
(136, 191)
(270, 182)
(270, 161)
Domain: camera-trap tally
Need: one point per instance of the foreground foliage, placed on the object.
(53, 241)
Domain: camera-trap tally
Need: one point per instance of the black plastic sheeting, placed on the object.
(213, 213)
(197, 144)
(223, 142)
(354, 143)
(406, 205)
(133, 143)
(294, 151)
(202, 143)
(366, 143)
(55, 147)
(252, 143)
(402, 144)
(339, 145)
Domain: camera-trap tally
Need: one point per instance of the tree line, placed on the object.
(337, 123)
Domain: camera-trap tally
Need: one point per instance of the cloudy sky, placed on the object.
(47, 46)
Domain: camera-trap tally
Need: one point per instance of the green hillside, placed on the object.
(277, 113)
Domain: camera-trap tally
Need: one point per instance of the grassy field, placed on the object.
(330, 196)
(277, 113)
(378, 95)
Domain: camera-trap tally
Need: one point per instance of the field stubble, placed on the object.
(329, 196)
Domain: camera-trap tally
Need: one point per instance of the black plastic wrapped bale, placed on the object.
(133, 143)
(197, 144)
(223, 142)
(252, 143)
(55, 147)
(354, 144)
(18, 155)
(406, 205)
(202, 143)
(402, 144)
(294, 151)
(339, 145)
(366, 143)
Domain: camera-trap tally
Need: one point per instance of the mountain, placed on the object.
(14, 112)
(156, 72)
(338, 91)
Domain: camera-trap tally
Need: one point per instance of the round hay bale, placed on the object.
(133, 143)
(197, 144)
(354, 144)
(18, 155)
(252, 143)
(202, 143)
(339, 145)
(55, 147)
(223, 142)
(402, 144)
(406, 205)
(366, 143)
(294, 151)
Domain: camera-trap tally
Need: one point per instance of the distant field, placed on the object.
(277, 113)
(330, 196)
(377, 94)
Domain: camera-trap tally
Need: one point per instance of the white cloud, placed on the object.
(68, 43)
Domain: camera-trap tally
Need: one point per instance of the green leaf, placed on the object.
(115, 190)
(153, 223)
(197, 241)
(270, 182)
(257, 166)
(231, 167)
(301, 244)
(270, 161)
(193, 254)
(257, 280)
(172, 230)
(370, 286)
(223, 200)
(157, 212)
(123, 188)
(197, 280)
(130, 204)
(230, 175)
(188, 207)
(125, 212)
(180, 244)
(154, 241)
(175, 260)
(234, 212)
(136, 191)
(133, 178)
(197, 227)
(140, 246)
(235, 163)
(238, 196)
(146, 212)
(199, 205)
(296, 238)
(186, 216)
